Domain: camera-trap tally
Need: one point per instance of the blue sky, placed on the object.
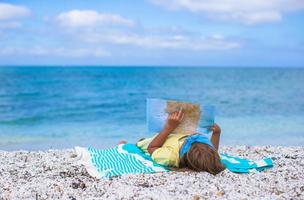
(152, 32)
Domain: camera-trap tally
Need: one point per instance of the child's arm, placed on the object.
(215, 138)
(173, 121)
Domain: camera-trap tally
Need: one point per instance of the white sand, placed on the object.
(56, 174)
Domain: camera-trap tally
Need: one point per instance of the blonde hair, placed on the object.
(202, 157)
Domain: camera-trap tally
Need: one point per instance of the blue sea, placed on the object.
(60, 107)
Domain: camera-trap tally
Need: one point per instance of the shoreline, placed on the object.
(56, 174)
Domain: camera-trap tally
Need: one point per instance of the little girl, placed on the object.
(195, 151)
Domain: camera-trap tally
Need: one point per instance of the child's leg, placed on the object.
(125, 142)
(122, 142)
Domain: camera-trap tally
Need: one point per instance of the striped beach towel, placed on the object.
(129, 159)
(241, 165)
(117, 161)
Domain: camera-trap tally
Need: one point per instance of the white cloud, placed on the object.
(61, 52)
(244, 11)
(91, 18)
(250, 18)
(76, 25)
(175, 42)
(10, 11)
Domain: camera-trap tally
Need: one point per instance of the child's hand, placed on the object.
(216, 129)
(174, 119)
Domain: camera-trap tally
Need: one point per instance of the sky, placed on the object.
(152, 32)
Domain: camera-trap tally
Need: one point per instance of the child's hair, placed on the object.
(201, 157)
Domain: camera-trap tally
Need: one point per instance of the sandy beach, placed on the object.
(56, 174)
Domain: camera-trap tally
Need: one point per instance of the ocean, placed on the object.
(61, 107)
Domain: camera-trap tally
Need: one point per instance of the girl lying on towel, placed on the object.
(195, 151)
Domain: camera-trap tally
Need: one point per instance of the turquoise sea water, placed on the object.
(59, 107)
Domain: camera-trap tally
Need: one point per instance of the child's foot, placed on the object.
(122, 142)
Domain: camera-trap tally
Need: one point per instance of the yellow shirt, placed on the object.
(168, 154)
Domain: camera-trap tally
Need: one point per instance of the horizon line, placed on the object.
(146, 66)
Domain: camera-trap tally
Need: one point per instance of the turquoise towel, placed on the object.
(241, 165)
(117, 161)
(129, 159)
